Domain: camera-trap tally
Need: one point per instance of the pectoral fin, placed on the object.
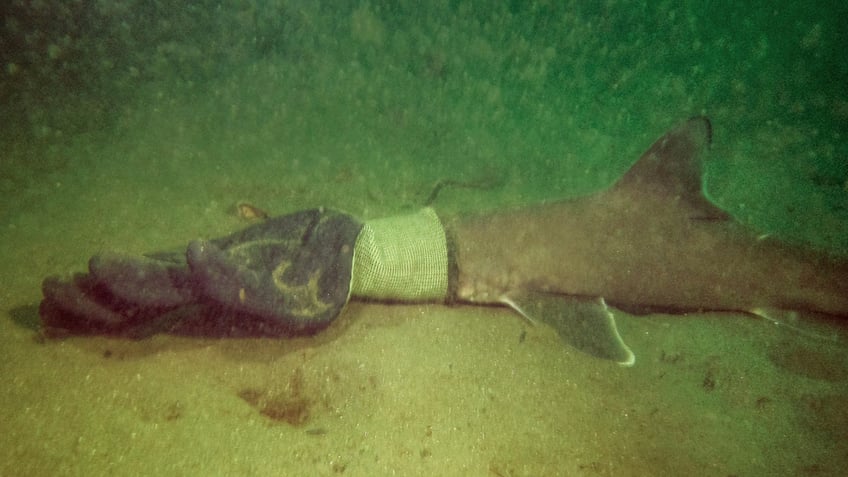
(584, 323)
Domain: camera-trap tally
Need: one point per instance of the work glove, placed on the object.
(286, 276)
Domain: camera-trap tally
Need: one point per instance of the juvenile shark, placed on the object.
(652, 242)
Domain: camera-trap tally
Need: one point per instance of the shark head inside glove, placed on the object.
(289, 275)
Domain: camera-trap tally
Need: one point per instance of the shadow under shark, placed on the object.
(652, 242)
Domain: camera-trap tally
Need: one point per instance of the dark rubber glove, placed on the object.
(287, 275)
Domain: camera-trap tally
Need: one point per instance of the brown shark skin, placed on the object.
(652, 242)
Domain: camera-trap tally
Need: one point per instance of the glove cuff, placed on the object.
(403, 258)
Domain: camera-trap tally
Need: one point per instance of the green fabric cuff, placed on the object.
(403, 258)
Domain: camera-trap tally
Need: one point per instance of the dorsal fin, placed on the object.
(673, 167)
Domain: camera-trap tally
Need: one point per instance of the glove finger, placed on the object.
(142, 281)
(69, 305)
(85, 306)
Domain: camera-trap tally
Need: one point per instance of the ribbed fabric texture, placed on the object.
(402, 258)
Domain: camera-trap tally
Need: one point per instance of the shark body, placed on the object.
(651, 242)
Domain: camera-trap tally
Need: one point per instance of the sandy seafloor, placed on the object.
(367, 117)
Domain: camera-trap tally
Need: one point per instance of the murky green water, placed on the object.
(137, 126)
